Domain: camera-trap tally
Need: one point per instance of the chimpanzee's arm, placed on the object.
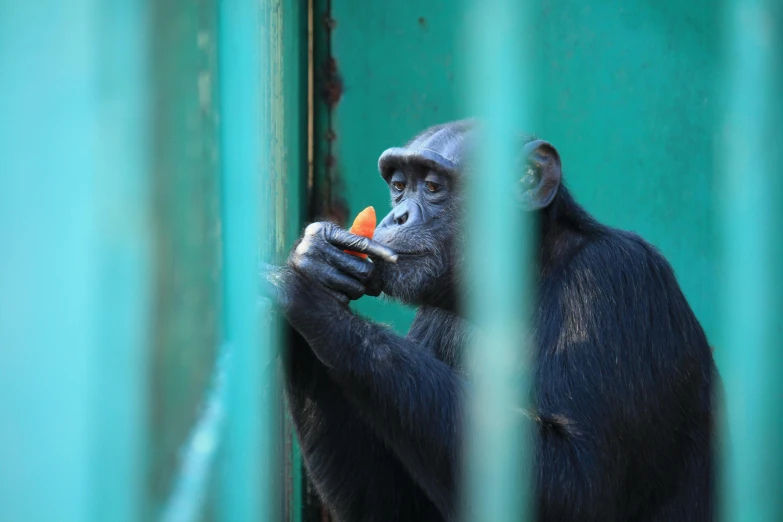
(357, 476)
(408, 396)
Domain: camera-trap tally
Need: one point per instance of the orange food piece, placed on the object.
(363, 225)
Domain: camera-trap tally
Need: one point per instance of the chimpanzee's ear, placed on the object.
(542, 175)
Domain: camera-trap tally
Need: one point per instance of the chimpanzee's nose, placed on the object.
(407, 213)
(400, 217)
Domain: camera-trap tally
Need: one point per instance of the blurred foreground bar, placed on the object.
(249, 481)
(75, 263)
(498, 460)
(751, 360)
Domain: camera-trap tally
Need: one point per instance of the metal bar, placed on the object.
(293, 198)
(187, 329)
(263, 70)
(76, 260)
(189, 494)
(126, 245)
(498, 463)
(751, 359)
(248, 478)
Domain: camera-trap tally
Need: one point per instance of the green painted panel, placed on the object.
(627, 95)
(629, 98)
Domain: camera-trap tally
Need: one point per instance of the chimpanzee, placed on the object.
(623, 375)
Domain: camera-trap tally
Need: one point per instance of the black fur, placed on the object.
(623, 384)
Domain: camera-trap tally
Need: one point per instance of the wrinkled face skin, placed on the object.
(425, 229)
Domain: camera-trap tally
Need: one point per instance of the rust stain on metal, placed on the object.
(310, 102)
(338, 210)
(333, 86)
(332, 92)
(329, 203)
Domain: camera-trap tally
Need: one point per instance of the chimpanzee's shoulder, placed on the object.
(623, 251)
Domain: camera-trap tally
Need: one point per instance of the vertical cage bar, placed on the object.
(248, 481)
(291, 120)
(750, 361)
(186, 381)
(126, 240)
(498, 463)
(75, 266)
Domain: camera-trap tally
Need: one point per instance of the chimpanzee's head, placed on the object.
(425, 180)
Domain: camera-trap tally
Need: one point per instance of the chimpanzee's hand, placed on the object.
(320, 257)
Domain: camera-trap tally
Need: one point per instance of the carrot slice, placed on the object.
(363, 225)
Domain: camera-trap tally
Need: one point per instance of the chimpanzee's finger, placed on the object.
(342, 298)
(344, 284)
(374, 284)
(351, 265)
(347, 241)
(330, 277)
(373, 288)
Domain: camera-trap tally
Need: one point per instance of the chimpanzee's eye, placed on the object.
(432, 186)
(399, 186)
